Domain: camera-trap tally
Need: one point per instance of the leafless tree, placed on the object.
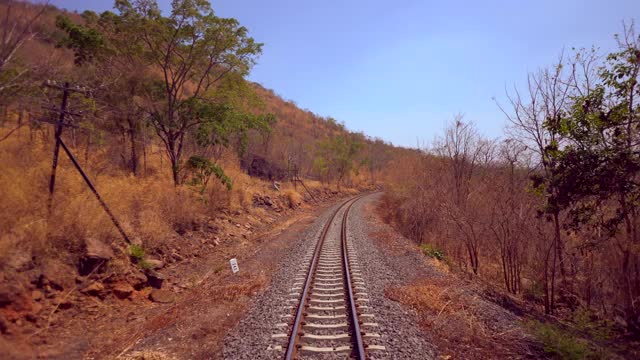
(16, 28)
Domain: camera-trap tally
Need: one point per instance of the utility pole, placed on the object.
(66, 91)
(58, 133)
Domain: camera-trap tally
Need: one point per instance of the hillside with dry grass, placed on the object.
(251, 163)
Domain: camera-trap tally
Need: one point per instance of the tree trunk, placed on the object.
(559, 248)
(132, 138)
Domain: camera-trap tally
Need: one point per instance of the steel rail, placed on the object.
(295, 331)
(355, 325)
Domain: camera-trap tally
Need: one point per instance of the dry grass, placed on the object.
(148, 355)
(462, 325)
(294, 199)
(148, 207)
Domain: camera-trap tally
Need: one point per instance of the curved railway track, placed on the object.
(332, 318)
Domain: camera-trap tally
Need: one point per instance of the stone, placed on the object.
(9, 294)
(94, 289)
(137, 279)
(162, 296)
(216, 241)
(97, 249)
(4, 325)
(122, 290)
(154, 263)
(96, 255)
(36, 308)
(37, 295)
(63, 303)
(154, 278)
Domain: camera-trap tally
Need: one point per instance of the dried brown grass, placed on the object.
(148, 207)
(457, 320)
(294, 199)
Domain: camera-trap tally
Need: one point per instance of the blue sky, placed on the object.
(401, 69)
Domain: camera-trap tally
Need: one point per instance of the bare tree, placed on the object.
(463, 151)
(547, 96)
(16, 28)
(510, 212)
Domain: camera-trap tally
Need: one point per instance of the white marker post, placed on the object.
(234, 265)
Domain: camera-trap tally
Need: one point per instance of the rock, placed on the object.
(155, 263)
(97, 249)
(94, 289)
(4, 326)
(268, 201)
(122, 290)
(37, 295)
(56, 275)
(36, 308)
(63, 304)
(96, 255)
(137, 279)
(31, 318)
(162, 296)
(9, 294)
(154, 278)
(216, 241)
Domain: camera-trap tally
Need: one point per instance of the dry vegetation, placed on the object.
(174, 200)
(549, 214)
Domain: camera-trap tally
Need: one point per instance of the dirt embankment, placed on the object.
(178, 300)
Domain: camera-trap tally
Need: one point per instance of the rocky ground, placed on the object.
(55, 311)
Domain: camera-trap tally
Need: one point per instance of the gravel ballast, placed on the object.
(252, 337)
(398, 326)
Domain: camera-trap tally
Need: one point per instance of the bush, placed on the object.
(138, 254)
(559, 342)
(432, 251)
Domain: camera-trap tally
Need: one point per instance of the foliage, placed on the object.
(432, 251)
(85, 42)
(559, 342)
(201, 169)
(337, 155)
(222, 123)
(201, 59)
(139, 256)
(588, 322)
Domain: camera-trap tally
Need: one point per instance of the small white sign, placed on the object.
(234, 265)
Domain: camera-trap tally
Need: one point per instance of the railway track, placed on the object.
(332, 317)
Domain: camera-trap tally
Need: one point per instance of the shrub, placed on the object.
(432, 251)
(559, 342)
(138, 254)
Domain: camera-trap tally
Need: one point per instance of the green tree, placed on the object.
(194, 50)
(337, 156)
(599, 166)
(201, 170)
(201, 60)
